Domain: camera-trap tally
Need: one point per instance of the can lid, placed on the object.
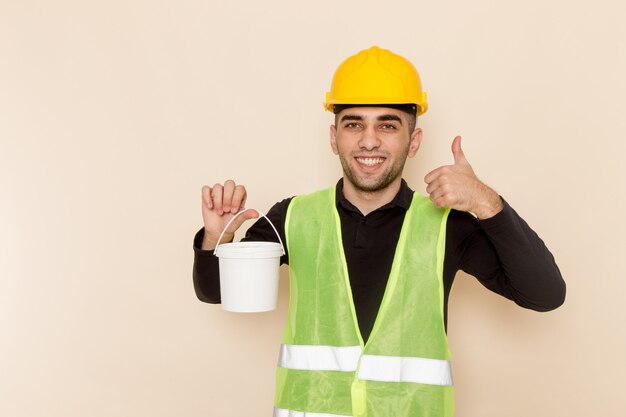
(250, 250)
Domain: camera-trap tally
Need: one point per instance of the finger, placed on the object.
(432, 175)
(445, 195)
(435, 199)
(217, 194)
(206, 197)
(246, 215)
(441, 199)
(432, 187)
(457, 151)
(239, 198)
(229, 188)
(437, 194)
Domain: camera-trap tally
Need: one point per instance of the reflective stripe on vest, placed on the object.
(372, 367)
(319, 358)
(404, 369)
(280, 412)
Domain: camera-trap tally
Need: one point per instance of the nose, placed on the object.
(369, 140)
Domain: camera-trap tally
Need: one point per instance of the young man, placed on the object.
(372, 263)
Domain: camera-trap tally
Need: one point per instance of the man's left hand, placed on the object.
(456, 186)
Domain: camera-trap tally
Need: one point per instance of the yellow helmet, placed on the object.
(376, 76)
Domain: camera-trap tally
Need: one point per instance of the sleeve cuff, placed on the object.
(504, 216)
(197, 245)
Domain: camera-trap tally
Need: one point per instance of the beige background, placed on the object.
(114, 114)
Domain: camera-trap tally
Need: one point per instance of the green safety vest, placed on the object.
(325, 369)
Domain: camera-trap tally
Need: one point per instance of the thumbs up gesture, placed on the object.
(456, 186)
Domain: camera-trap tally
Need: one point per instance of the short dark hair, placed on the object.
(409, 109)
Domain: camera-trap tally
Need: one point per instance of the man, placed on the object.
(372, 263)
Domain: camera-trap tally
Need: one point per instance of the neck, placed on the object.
(368, 201)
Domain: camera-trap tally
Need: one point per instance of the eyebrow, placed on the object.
(381, 118)
(388, 117)
(351, 117)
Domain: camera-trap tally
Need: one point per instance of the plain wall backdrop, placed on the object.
(114, 114)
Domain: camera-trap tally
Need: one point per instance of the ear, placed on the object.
(333, 139)
(416, 140)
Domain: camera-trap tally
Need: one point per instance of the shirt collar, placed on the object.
(402, 199)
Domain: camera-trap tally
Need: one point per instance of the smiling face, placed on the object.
(373, 144)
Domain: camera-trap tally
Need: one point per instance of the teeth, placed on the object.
(370, 161)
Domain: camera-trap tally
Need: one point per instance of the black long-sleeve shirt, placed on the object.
(502, 252)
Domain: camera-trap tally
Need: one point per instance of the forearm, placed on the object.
(508, 257)
(206, 273)
(529, 269)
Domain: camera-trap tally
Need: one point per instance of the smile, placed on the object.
(370, 161)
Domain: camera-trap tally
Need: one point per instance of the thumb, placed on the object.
(245, 215)
(457, 151)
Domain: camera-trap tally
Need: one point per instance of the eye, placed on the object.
(388, 126)
(352, 125)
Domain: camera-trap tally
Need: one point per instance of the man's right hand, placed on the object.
(220, 203)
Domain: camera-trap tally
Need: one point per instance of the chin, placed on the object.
(371, 187)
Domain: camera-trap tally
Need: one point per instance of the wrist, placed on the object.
(210, 242)
(207, 244)
(488, 206)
